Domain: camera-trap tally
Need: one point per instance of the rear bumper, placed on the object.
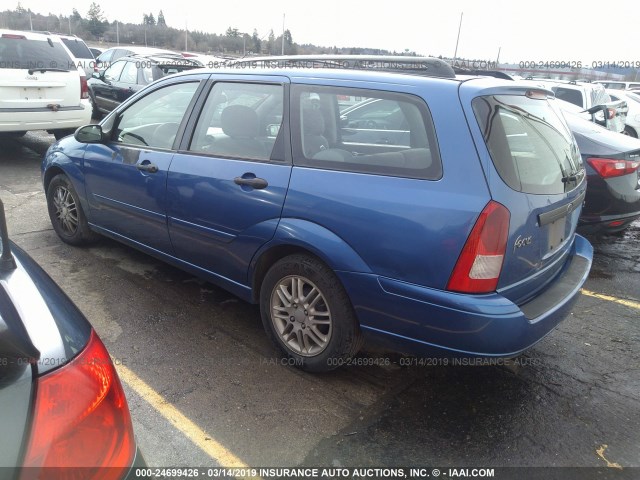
(45, 119)
(424, 321)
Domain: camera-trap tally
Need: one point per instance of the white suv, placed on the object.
(41, 86)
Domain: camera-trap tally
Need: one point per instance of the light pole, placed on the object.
(283, 34)
(455, 54)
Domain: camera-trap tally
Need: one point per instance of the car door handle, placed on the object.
(147, 167)
(257, 183)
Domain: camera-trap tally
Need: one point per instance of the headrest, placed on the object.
(313, 121)
(239, 121)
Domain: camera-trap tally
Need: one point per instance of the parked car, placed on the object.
(632, 122)
(130, 74)
(460, 242)
(618, 85)
(60, 396)
(42, 86)
(83, 55)
(205, 60)
(110, 55)
(592, 98)
(612, 161)
(96, 51)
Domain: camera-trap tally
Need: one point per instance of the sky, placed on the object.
(518, 31)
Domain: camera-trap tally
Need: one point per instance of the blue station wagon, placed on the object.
(454, 236)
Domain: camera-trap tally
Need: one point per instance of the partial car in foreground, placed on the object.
(41, 85)
(612, 160)
(458, 243)
(63, 412)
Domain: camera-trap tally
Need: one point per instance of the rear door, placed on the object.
(227, 185)
(535, 170)
(36, 73)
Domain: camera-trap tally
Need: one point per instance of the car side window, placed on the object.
(153, 120)
(384, 133)
(129, 73)
(569, 95)
(240, 120)
(112, 74)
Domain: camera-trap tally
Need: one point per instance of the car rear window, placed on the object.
(21, 53)
(78, 48)
(529, 143)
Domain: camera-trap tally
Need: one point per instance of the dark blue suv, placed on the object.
(439, 218)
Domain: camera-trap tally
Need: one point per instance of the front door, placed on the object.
(126, 178)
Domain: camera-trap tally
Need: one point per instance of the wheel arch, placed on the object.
(295, 236)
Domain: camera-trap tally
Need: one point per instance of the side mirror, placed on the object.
(89, 134)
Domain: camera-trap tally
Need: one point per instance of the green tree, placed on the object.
(161, 20)
(257, 43)
(271, 43)
(75, 16)
(151, 19)
(97, 24)
(232, 32)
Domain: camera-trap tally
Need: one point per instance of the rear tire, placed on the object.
(306, 312)
(66, 214)
(630, 131)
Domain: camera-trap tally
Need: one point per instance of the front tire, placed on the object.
(66, 214)
(308, 315)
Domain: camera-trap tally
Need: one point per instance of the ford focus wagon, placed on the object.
(437, 218)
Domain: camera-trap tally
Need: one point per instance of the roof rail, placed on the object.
(425, 66)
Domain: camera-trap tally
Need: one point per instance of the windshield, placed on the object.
(529, 143)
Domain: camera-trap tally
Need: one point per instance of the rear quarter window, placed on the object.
(529, 142)
(381, 133)
(78, 48)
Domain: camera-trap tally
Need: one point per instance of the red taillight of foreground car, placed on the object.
(84, 87)
(478, 267)
(608, 167)
(81, 420)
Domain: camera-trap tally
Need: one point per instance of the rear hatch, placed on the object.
(534, 169)
(35, 73)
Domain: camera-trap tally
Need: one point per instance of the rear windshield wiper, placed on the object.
(31, 71)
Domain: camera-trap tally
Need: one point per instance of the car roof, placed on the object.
(140, 50)
(29, 35)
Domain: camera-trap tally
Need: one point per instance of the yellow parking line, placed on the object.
(194, 433)
(621, 301)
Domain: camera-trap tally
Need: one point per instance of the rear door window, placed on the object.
(529, 143)
(241, 120)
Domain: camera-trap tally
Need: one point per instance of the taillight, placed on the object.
(84, 87)
(478, 267)
(80, 419)
(611, 113)
(608, 167)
